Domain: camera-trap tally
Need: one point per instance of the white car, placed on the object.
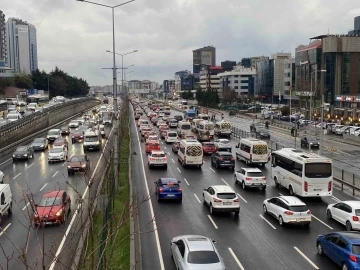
(221, 198)
(74, 124)
(288, 210)
(171, 136)
(57, 154)
(346, 213)
(173, 123)
(161, 115)
(153, 138)
(157, 158)
(223, 144)
(250, 178)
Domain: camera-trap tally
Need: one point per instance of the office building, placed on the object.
(256, 59)
(4, 70)
(203, 57)
(21, 46)
(209, 79)
(184, 80)
(3, 46)
(246, 62)
(279, 59)
(228, 65)
(289, 77)
(264, 81)
(240, 79)
(356, 30)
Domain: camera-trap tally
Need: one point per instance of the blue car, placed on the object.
(168, 189)
(341, 247)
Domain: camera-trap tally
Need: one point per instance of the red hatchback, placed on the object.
(208, 148)
(54, 207)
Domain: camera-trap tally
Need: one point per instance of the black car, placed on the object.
(222, 159)
(306, 140)
(262, 133)
(39, 144)
(23, 152)
(256, 126)
(178, 117)
(65, 130)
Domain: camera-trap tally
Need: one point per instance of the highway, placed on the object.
(21, 243)
(253, 241)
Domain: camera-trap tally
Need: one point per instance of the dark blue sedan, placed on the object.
(168, 189)
(341, 247)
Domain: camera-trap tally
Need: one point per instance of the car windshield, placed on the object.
(64, 128)
(224, 141)
(186, 127)
(228, 195)
(170, 185)
(56, 150)
(157, 155)
(318, 170)
(312, 139)
(203, 257)
(12, 116)
(298, 208)
(261, 130)
(255, 174)
(39, 140)
(50, 201)
(77, 159)
(91, 139)
(173, 134)
(53, 132)
(21, 149)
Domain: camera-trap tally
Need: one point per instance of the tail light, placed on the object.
(355, 218)
(248, 178)
(165, 158)
(151, 158)
(289, 213)
(308, 212)
(217, 200)
(161, 190)
(329, 186)
(236, 200)
(232, 158)
(263, 178)
(179, 189)
(306, 186)
(353, 258)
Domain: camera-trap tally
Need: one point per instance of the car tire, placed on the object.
(243, 185)
(328, 214)
(180, 200)
(211, 209)
(348, 226)
(319, 249)
(10, 209)
(149, 166)
(236, 180)
(237, 213)
(165, 167)
(64, 218)
(263, 188)
(158, 198)
(265, 209)
(281, 221)
(216, 165)
(276, 182)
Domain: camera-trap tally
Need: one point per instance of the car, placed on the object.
(2, 177)
(53, 208)
(178, 118)
(78, 163)
(221, 159)
(74, 124)
(153, 138)
(255, 126)
(175, 146)
(53, 134)
(61, 142)
(341, 247)
(152, 146)
(157, 159)
(154, 120)
(171, 136)
(168, 189)
(288, 210)
(143, 130)
(77, 135)
(262, 133)
(306, 140)
(208, 147)
(23, 152)
(250, 178)
(39, 144)
(150, 133)
(346, 213)
(65, 130)
(163, 132)
(195, 252)
(57, 154)
(173, 123)
(223, 144)
(221, 198)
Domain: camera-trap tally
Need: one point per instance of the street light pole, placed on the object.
(321, 123)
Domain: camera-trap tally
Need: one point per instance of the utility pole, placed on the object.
(321, 123)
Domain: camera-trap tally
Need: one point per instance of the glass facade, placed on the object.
(345, 74)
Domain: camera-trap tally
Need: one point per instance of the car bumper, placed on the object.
(255, 185)
(77, 169)
(51, 139)
(77, 139)
(38, 148)
(92, 147)
(73, 126)
(297, 221)
(65, 132)
(157, 164)
(226, 209)
(230, 164)
(208, 152)
(56, 159)
(20, 157)
(48, 221)
(170, 196)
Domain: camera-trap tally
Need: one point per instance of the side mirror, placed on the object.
(237, 146)
(36, 205)
(205, 189)
(214, 241)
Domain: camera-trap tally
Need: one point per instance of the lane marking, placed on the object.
(63, 164)
(55, 173)
(173, 160)
(178, 169)
(322, 222)
(5, 161)
(165, 147)
(335, 199)
(211, 169)
(241, 197)
(306, 258)
(16, 175)
(30, 165)
(268, 222)
(43, 187)
(169, 153)
(3, 230)
(224, 181)
(197, 198)
(25, 206)
(213, 222)
(186, 182)
(281, 194)
(236, 259)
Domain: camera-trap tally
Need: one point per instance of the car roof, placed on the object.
(222, 188)
(352, 236)
(198, 243)
(291, 200)
(352, 203)
(224, 153)
(54, 193)
(251, 169)
(168, 180)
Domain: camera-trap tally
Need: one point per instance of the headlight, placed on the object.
(69, 167)
(83, 166)
(13, 155)
(25, 155)
(42, 145)
(59, 213)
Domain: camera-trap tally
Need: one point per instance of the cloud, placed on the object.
(74, 36)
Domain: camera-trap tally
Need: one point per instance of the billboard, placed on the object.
(206, 58)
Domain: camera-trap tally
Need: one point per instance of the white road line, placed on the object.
(335, 199)
(281, 194)
(169, 153)
(211, 169)
(63, 164)
(30, 165)
(322, 222)
(268, 222)
(236, 259)
(197, 198)
(16, 175)
(178, 169)
(5, 161)
(3, 230)
(213, 222)
(173, 160)
(186, 182)
(241, 197)
(25, 206)
(55, 173)
(306, 258)
(224, 181)
(43, 187)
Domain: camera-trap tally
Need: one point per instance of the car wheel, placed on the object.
(236, 180)
(158, 198)
(10, 209)
(319, 249)
(243, 185)
(328, 214)
(216, 165)
(348, 226)
(281, 221)
(165, 167)
(264, 209)
(263, 188)
(276, 182)
(237, 213)
(211, 209)
(180, 200)
(291, 191)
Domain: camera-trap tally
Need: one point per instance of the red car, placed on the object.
(152, 146)
(54, 207)
(208, 148)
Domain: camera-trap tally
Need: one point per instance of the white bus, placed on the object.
(190, 153)
(304, 174)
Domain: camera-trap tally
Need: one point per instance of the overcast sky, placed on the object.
(75, 35)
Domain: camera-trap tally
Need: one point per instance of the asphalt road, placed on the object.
(253, 241)
(21, 244)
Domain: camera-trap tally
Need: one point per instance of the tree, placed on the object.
(285, 110)
(4, 82)
(229, 95)
(57, 86)
(22, 80)
(40, 79)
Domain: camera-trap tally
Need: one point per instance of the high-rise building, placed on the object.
(21, 45)
(256, 59)
(356, 30)
(209, 78)
(203, 57)
(228, 65)
(264, 81)
(3, 47)
(289, 76)
(279, 59)
(246, 62)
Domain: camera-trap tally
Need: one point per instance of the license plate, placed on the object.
(190, 162)
(301, 219)
(256, 184)
(318, 189)
(170, 195)
(255, 160)
(227, 203)
(226, 161)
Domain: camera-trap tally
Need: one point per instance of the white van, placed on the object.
(194, 124)
(5, 200)
(92, 140)
(204, 116)
(253, 151)
(32, 106)
(223, 128)
(171, 136)
(190, 153)
(205, 131)
(184, 128)
(13, 116)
